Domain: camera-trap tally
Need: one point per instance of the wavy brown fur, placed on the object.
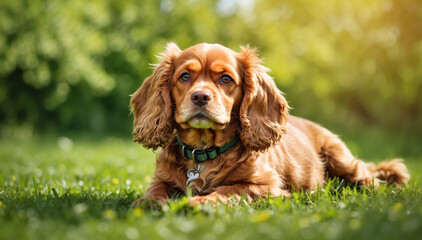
(264, 110)
(151, 104)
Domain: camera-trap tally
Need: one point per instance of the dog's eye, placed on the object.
(184, 77)
(226, 79)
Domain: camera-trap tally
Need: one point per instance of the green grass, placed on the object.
(57, 189)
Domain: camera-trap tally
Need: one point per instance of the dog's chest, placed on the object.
(200, 178)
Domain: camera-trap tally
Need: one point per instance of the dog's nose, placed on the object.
(201, 98)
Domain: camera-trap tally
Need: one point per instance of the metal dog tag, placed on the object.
(193, 173)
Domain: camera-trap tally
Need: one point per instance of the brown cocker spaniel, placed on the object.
(225, 132)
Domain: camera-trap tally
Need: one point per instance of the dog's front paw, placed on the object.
(207, 199)
(137, 202)
(198, 200)
(151, 203)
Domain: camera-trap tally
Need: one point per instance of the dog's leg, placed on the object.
(157, 194)
(341, 163)
(251, 192)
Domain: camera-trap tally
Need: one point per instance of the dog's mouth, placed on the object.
(201, 116)
(202, 121)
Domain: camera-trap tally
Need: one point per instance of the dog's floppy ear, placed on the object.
(152, 106)
(264, 110)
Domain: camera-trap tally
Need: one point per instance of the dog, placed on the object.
(226, 133)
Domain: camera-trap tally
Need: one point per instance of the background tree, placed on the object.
(71, 65)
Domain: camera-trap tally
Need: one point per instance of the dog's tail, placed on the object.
(393, 171)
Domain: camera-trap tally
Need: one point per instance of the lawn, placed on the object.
(78, 188)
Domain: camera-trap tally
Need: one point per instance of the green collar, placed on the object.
(200, 155)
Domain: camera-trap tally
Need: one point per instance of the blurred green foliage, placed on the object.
(72, 64)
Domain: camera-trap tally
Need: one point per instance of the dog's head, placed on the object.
(209, 89)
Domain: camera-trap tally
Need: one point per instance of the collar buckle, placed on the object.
(193, 155)
(183, 152)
